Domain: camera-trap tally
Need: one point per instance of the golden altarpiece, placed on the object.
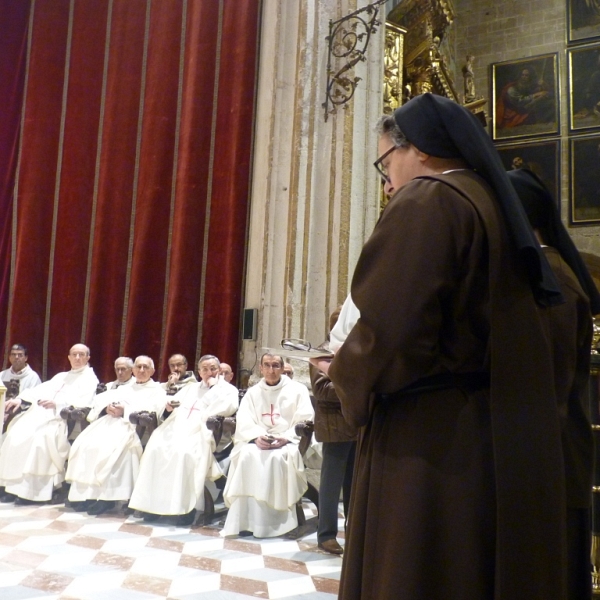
(418, 57)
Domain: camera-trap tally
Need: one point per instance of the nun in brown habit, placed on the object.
(569, 330)
(459, 481)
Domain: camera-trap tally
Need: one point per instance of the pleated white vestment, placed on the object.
(105, 458)
(179, 454)
(33, 455)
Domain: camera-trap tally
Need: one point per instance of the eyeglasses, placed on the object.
(295, 344)
(378, 164)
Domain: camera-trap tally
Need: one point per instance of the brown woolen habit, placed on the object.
(459, 493)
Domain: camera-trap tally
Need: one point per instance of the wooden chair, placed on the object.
(218, 425)
(73, 415)
(145, 423)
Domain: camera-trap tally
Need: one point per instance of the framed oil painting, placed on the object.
(584, 87)
(525, 97)
(542, 157)
(584, 171)
(583, 20)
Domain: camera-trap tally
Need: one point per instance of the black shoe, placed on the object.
(7, 498)
(81, 506)
(187, 519)
(150, 517)
(101, 506)
(24, 502)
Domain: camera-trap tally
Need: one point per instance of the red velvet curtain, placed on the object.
(13, 53)
(133, 181)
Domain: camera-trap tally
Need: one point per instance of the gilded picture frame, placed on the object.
(583, 20)
(584, 172)
(525, 98)
(584, 87)
(540, 156)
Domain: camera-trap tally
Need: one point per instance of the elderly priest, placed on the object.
(105, 458)
(179, 455)
(32, 457)
(266, 478)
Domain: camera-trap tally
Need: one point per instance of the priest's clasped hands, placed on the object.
(115, 410)
(269, 442)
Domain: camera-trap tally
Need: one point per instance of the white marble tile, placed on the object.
(79, 556)
(27, 525)
(39, 543)
(96, 582)
(237, 565)
(279, 547)
(8, 578)
(162, 562)
(134, 546)
(290, 587)
(203, 546)
(199, 583)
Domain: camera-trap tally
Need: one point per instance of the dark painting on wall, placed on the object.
(525, 97)
(584, 87)
(542, 157)
(584, 169)
(583, 19)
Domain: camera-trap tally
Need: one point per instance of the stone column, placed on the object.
(315, 193)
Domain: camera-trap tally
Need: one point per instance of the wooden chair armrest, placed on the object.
(8, 417)
(215, 424)
(305, 430)
(80, 414)
(148, 420)
(134, 417)
(65, 413)
(229, 424)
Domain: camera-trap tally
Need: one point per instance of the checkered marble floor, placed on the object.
(51, 552)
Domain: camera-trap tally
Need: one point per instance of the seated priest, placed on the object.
(266, 477)
(179, 455)
(179, 375)
(33, 455)
(105, 458)
(19, 369)
(124, 373)
(227, 372)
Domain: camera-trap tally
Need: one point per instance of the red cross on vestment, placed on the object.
(192, 409)
(271, 414)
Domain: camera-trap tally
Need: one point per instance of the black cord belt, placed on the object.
(469, 382)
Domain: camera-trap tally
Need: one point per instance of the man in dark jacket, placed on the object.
(339, 448)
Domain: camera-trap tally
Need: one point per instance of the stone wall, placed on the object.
(499, 30)
(315, 193)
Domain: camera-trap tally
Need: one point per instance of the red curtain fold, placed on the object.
(77, 163)
(153, 198)
(115, 181)
(231, 177)
(118, 138)
(194, 151)
(14, 18)
(37, 176)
